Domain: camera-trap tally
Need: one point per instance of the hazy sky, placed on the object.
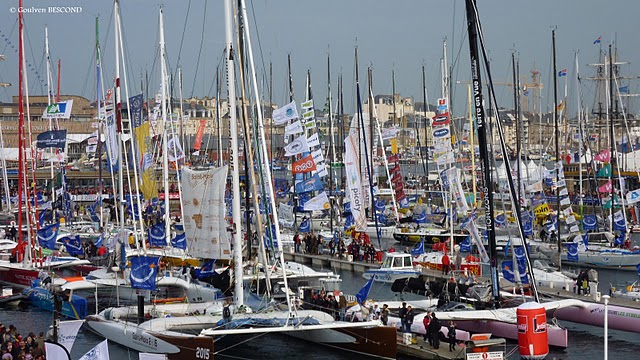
(400, 35)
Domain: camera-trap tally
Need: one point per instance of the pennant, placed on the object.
(307, 104)
(313, 140)
(606, 187)
(143, 272)
(562, 73)
(320, 202)
(308, 115)
(633, 196)
(603, 156)
(304, 165)
(285, 113)
(293, 128)
(297, 146)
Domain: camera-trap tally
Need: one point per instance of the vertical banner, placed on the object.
(204, 212)
(141, 130)
(353, 182)
(198, 142)
(111, 139)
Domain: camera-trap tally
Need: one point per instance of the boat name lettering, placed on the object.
(146, 340)
(202, 353)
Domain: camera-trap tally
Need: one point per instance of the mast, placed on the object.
(119, 114)
(393, 95)
(557, 138)
(21, 157)
(516, 109)
(487, 188)
(294, 198)
(612, 141)
(218, 118)
(98, 106)
(233, 159)
(48, 61)
(332, 149)
(425, 161)
(165, 137)
(580, 134)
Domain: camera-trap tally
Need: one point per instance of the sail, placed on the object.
(204, 212)
(354, 183)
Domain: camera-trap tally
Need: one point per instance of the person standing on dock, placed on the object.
(451, 334)
(434, 331)
(446, 263)
(458, 261)
(403, 316)
(384, 314)
(425, 321)
(409, 319)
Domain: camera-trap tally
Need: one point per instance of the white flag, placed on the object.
(313, 140)
(100, 352)
(294, 128)
(174, 149)
(285, 113)
(286, 214)
(56, 351)
(317, 157)
(59, 110)
(67, 332)
(297, 146)
(320, 202)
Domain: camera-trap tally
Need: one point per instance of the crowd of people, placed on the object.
(360, 247)
(18, 347)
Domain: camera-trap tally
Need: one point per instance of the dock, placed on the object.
(422, 350)
(332, 262)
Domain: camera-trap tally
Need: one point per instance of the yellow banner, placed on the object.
(148, 184)
(394, 146)
(542, 210)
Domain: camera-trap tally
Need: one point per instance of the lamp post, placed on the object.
(606, 326)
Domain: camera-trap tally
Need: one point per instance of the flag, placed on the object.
(73, 245)
(501, 220)
(638, 269)
(305, 226)
(633, 196)
(179, 241)
(56, 350)
(603, 156)
(465, 245)
(199, 134)
(562, 72)
(47, 236)
(312, 184)
(98, 242)
(285, 113)
(418, 249)
(420, 218)
(59, 110)
(572, 252)
(320, 202)
(304, 165)
(174, 149)
(598, 40)
(394, 146)
(143, 272)
(313, 140)
(605, 171)
(361, 296)
(207, 269)
(606, 187)
(297, 146)
(157, 235)
(442, 119)
(52, 139)
(293, 128)
(624, 89)
(607, 205)
(67, 332)
(286, 214)
(509, 274)
(99, 352)
(589, 222)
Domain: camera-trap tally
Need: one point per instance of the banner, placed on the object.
(199, 134)
(307, 104)
(312, 184)
(144, 270)
(354, 185)
(73, 245)
(442, 119)
(67, 332)
(297, 146)
(100, 352)
(542, 210)
(317, 156)
(394, 146)
(572, 252)
(606, 187)
(390, 133)
(285, 113)
(157, 235)
(313, 140)
(286, 215)
(204, 212)
(293, 128)
(304, 165)
(603, 156)
(633, 196)
(56, 351)
(111, 140)
(52, 139)
(47, 236)
(174, 149)
(320, 202)
(59, 110)
(470, 225)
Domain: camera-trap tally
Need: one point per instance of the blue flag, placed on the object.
(381, 219)
(98, 241)
(420, 218)
(157, 237)
(73, 245)
(598, 40)
(521, 258)
(418, 249)
(144, 270)
(465, 246)
(624, 89)
(305, 226)
(361, 296)
(207, 269)
(179, 241)
(572, 252)
(509, 274)
(589, 222)
(52, 139)
(638, 269)
(312, 184)
(349, 221)
(47, 236)
(380, 205)
(501, 220)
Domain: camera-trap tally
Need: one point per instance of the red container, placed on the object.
(533, 341)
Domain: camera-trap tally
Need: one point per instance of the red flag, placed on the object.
(604, 156)
(606, 188)
(198, 142)
(392, 159)
(304, 165)
(395, 169)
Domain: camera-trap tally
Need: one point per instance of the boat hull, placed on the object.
(175, 346)
(375, 341)
(18, 276)
(389, 276)
(428, 238)
(620, 318)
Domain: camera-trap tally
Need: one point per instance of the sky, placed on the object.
(399, 36)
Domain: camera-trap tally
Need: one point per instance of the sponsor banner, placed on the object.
(286, 215)
(393, 159)
(320, 202)
(199, 134)
(294, 128)
(354, 184)
(542, 210)
(304, 165)
(443, 105)
(312, 184)
(313, 140)
(297, 146)
(441, 132)
(307, 115)
(52, 139)
(317, 157)
(67, 332)
(442, 119)
(390, 133)
(59, 110)
(204, 212)
(282, 115)
(307, 104)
